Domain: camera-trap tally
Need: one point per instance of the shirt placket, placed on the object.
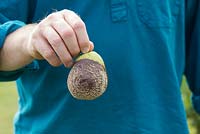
(119, 11)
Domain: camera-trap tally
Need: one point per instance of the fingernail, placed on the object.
(85, 50)
(91, 46)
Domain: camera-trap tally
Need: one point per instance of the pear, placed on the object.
(87, 79)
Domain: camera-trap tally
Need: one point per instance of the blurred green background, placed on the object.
(8, 107)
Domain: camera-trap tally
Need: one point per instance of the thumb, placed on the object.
(91, 46)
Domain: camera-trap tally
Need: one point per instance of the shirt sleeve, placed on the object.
(7, 28)
(13, 15)
(192, 70)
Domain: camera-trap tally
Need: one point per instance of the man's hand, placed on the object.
(58, 38)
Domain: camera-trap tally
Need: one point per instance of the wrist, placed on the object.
(14, 53)
(27, 47)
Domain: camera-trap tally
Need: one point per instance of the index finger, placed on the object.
(79, 28)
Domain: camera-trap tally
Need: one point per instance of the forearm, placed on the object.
(13, 54)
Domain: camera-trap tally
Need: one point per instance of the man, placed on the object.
(147, 46)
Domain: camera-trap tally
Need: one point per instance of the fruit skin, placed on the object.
(88, 79)
(92, 56)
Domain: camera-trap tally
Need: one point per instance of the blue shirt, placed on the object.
(147, 46)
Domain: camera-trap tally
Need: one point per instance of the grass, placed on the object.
(8, 107)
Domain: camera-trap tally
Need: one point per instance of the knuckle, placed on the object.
(68, 13)
(52, 16)
(55, 41)
(78, 25)
(67, 62)
(55, 23)
(75, 52)
(48, 54)
(84, 44)
(67, 33)
(55, 63)
(65, 11)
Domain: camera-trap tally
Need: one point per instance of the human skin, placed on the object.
(58, 38)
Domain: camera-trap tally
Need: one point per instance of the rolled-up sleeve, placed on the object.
(14, 14)
(7, 28)
(13, 75)
(192, 70)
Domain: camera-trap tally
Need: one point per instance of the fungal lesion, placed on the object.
(87, 79)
